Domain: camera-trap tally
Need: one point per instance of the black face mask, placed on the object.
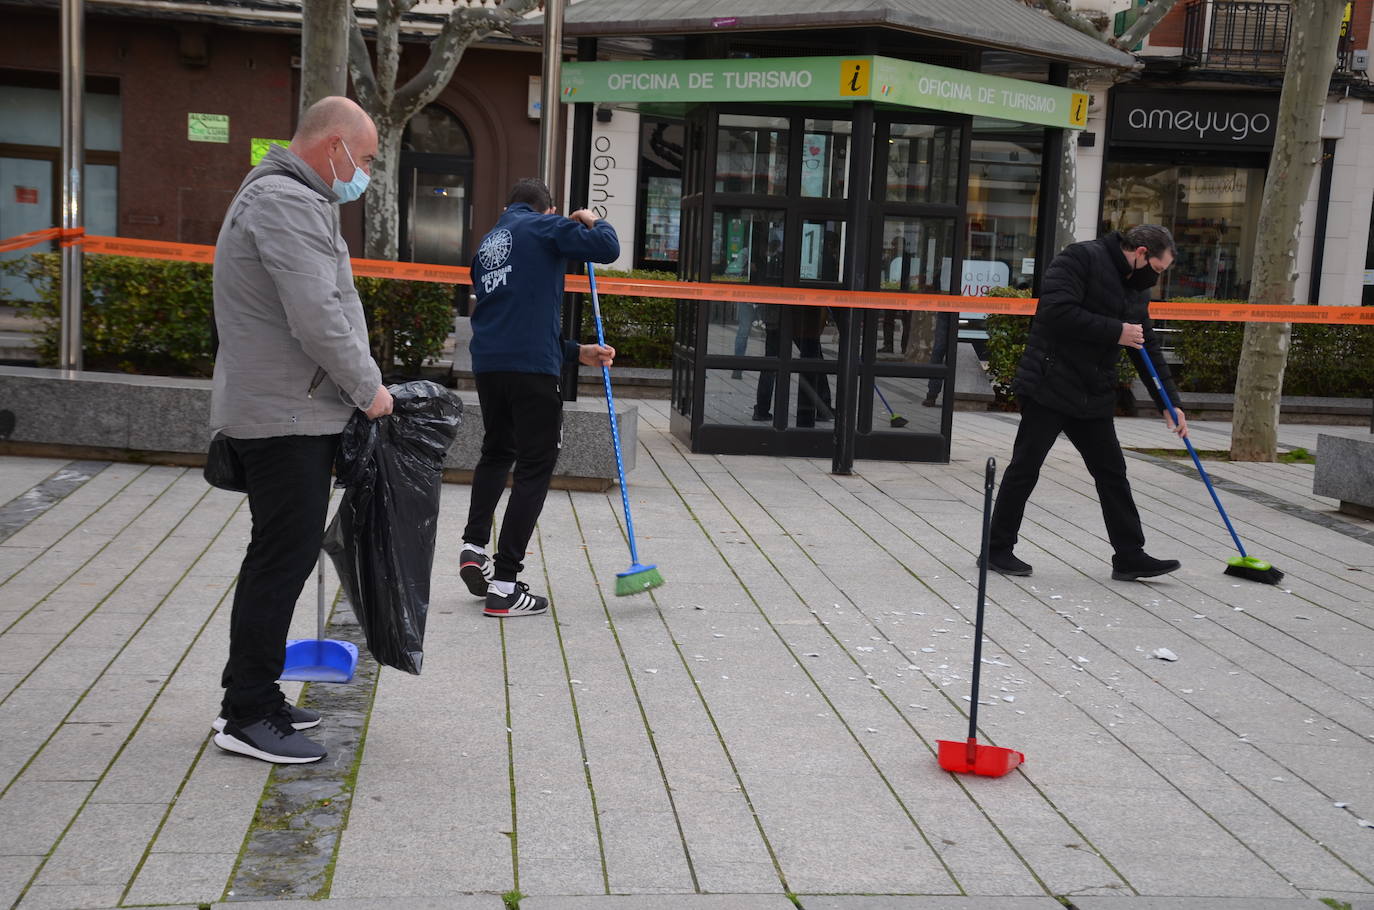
(1143, 278)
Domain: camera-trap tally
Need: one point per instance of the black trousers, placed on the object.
(288, 480)
(1095, 439)
(522, 420)
(813, 392)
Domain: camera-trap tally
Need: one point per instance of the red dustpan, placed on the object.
(968, 757)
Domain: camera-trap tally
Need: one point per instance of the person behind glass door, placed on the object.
(767, 269)
(896, 268)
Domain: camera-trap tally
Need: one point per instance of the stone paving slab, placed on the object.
(660, 902)
(894, 902)
(448, 902)
(1196, 903)
(764, 723)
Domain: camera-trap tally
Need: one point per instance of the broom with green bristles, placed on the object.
(1242, 566)
(637, 578)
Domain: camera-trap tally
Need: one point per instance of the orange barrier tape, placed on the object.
(150, 249)
(21, 241)
(722, 291)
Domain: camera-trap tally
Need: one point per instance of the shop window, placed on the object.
(660, 194)
(825, 159)
(1003, 200)
(923, 164)
(30, 162)
(918, 256)
(822, 249)
(747, 245)
(1212, 211)
(751, 155)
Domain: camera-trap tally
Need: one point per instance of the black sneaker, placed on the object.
(1006, 564)
(761, 416)
(519, 602)
(301, 718)
(270, 739)
(1141, 565)
(476, 570)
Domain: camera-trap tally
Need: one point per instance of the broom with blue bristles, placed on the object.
(637, 578)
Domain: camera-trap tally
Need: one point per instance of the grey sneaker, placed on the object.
(476, 570)
(519, 602)
(301, 719)
(271, 739)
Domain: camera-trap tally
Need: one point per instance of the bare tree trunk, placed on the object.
(324, 49)
(391, 107)
(1297, 150)
(1066, 212)
(382, 199)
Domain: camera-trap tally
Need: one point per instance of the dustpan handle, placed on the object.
(319, 598)
(988, 478)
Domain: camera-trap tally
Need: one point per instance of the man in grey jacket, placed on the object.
(293, 365)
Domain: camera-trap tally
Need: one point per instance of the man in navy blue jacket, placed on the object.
(517, 357)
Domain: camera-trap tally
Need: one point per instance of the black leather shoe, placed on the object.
(1006, 564)
(1141, 565)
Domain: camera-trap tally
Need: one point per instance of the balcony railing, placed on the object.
(1237, 34)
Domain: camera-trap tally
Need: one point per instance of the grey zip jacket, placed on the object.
(293, 358)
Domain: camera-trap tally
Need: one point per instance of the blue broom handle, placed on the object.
(879, 390)
(1173, 415)
(615, 427)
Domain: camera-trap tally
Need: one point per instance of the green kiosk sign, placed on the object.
(884, 80)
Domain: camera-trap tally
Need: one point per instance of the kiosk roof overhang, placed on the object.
(1002, 24)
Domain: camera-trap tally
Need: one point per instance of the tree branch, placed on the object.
(1156, 11)
(1061, 10)
(360, 64)
(388, 52)
(464, 27)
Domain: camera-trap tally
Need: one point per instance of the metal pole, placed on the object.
(579, 197)
(73, 149)
(548, 104)
(858, 255)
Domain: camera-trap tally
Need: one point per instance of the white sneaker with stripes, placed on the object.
(519, 602)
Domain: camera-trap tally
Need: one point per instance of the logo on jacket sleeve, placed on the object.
(492, 256)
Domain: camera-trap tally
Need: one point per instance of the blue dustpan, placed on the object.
(320, 659)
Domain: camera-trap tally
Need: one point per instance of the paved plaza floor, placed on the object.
(758, 734)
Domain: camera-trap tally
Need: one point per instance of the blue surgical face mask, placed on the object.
(356, 186)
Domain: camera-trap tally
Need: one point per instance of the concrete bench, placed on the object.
(159, 419)
(1345, 471)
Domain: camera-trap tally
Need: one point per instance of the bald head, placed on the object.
(334, 136)
(335, 114)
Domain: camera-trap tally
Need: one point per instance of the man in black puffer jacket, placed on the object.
(1094, 300)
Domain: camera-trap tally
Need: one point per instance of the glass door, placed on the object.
(437, 217)
(918, 247)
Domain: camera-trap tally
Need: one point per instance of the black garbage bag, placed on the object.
(382, 537)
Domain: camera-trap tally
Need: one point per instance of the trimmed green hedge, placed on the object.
(138, 315)
(639, 328)
(407, 321)
(154, 317)
(1329, 361)
(151, 316)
